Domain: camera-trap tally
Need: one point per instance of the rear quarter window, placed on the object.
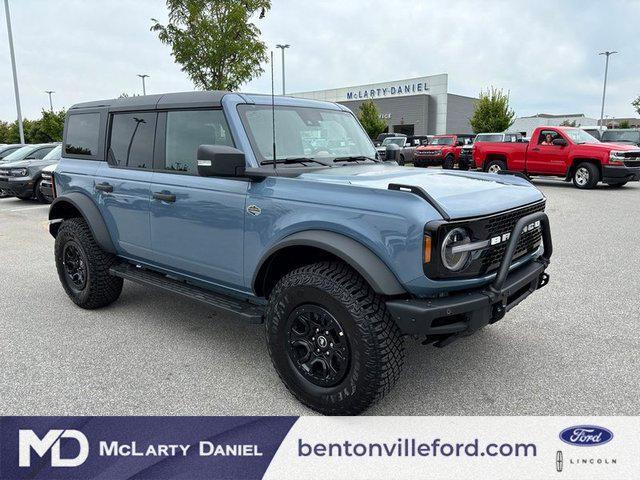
(82, 135)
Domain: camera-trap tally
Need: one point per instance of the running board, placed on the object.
(225, 304)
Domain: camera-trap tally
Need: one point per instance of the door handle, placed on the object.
(535, 149)
(104, 187)
(165, 197)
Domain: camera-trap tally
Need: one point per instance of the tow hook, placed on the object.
(499, 311)
(543, 279)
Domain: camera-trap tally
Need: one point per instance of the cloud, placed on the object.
(543, 53)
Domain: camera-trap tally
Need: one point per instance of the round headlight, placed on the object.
(455, 261)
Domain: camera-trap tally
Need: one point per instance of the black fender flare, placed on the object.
(62, 207)
(375, 272)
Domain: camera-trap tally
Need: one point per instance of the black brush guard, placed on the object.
(460, 314)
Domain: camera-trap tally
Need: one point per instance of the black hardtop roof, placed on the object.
(166, 100)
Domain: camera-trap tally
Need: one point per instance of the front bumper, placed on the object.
(448, 318)
(18, 187)
(46, 189)
(622, 173)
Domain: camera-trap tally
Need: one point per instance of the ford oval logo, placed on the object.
(586, 435)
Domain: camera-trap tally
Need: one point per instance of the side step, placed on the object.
(245, 310)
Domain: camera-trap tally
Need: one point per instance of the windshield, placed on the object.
(580, 136)
(618, 136)
(303, 132)
(397, 140)
(18, 154)
(441, 141)
(54, 154)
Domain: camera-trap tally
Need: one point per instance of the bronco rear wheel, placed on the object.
(331, 339)
(83, 267)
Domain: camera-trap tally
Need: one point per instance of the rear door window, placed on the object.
(132, 139)
(82, 134)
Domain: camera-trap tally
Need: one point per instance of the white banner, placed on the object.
(460, 448)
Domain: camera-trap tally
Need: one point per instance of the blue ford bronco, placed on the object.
(278, 211)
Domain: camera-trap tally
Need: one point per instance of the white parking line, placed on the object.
(27, 208)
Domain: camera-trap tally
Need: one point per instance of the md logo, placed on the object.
(28, 441)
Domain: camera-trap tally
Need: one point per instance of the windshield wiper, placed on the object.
(354, 158)
(289, 160)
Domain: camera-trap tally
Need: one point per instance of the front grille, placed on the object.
(504, 223)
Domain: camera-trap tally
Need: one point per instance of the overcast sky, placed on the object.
(543, 53)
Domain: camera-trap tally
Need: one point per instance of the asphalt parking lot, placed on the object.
(573, 348)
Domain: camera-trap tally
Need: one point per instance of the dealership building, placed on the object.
(415, 106)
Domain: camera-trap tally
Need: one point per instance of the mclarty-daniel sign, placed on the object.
(411, 88)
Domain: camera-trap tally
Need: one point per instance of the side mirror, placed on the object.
(460, 143)
(391, 153)
(561, 142)
(220, 161)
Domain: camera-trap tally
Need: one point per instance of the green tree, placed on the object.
(636, 104)
(492, 112)
(370, 119)
(4, 132)
(624, 124)
(48, 128)
(215, 41)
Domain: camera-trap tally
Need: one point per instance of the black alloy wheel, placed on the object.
(317, 345)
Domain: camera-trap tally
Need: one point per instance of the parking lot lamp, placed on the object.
(15, 74)
(283, 47)
(50, 102)
(604, 88)
(144, 90)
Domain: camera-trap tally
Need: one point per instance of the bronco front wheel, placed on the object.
(331, 339)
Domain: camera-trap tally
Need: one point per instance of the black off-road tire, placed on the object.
(586, 175)
(374, 340)
(449, 162)
(100, 288)
(494, 166)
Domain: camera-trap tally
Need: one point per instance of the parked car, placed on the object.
(594, 130)
(407, 146)
(45, 187)
(441, 150)
(567, 152)
(20, 178)
(378, 141)
(8, 149)
(465, 159)
(341, 256)
(628, 136)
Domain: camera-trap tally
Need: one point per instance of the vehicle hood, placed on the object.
(460, 194)
(606, 147)
(624, 143)
(431, 147)
(17, 164)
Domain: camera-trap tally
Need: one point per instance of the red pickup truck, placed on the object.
(565, 152)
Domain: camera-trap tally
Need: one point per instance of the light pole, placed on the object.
(283, 47)
(144, 90)
(50, 102)
(604, 88)
(15, 74)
